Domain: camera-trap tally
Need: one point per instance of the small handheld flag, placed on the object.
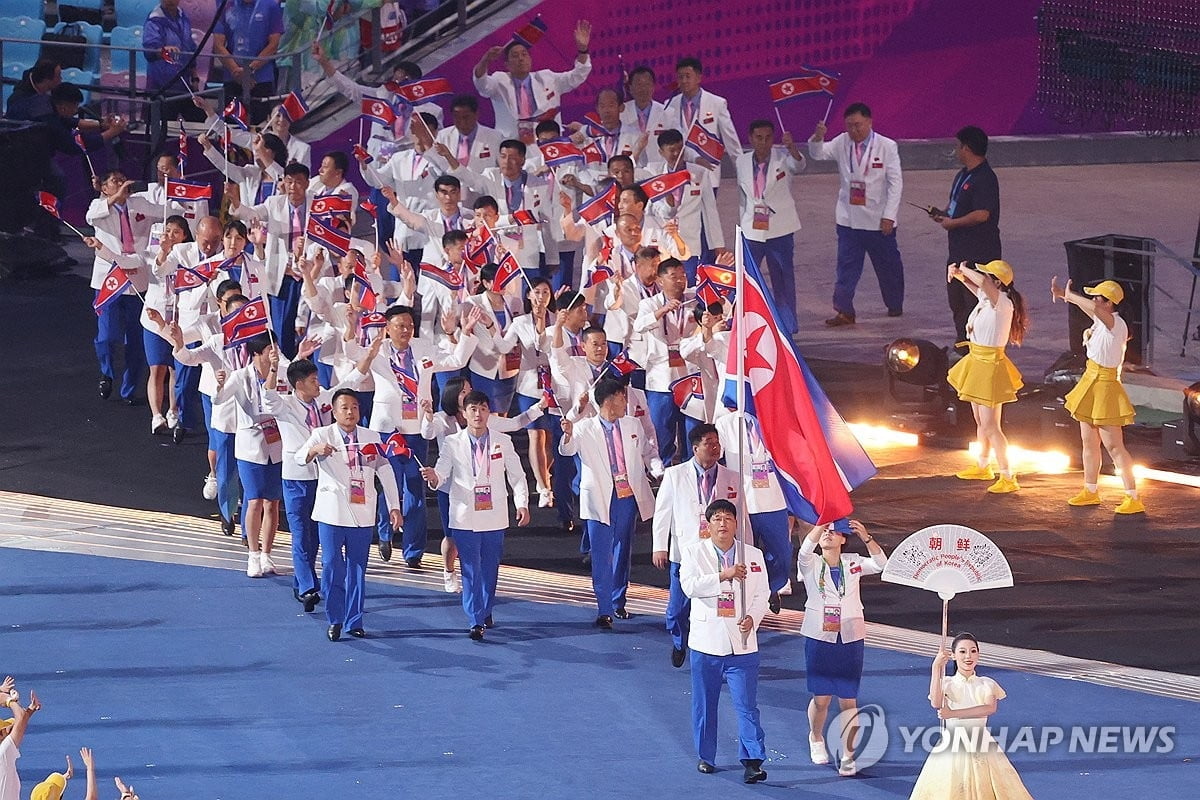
(329, 204)
(378, 111)
(294, 107)
(600, 207)
(660, 186)
(190, 191)
(686, 388)
(115, 283)
(331, 239)
(236, 114)
(622, 365)
(424, 90)
(245, 323)
(506, 271)
(531, 32)
(707, 145)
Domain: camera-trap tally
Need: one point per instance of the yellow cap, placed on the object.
(4, 723)
(1000, 269)
(51, 788)
(1109, 290)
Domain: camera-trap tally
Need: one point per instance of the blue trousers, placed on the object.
(565, 274)
(499, 391)
(668, 424)
(344, 572)
(187, 395)
(229, 485)
(366, 403)
(611, 552)
(443, 503)
(298, 499)
(741, 673)
(771, 535)
(283, 314)
(386, 222)
(853, 245)
(325, 376)
(565, 479)
(780, 256)
(679, 610)
(119, 324)
(412, 491)
(689, 268)
(479, 559)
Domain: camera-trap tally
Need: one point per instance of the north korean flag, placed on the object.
(49, 202)
(546, 386)
(115, 283)
(378, 111)
(531, 32)
(594, 128)
(599, 274)
(686, 388)
(506, 271)
(600, 207)
(721, 280)
(449, 278)
(192, 277)
(331, 239)
(396, 446)
(523, 217)
(372, 319)
(361, 154)
(817, 82)
(424, 90)
(236, 114)
(592, 154)
(560, 152)
(709, 293)
(660, 186)
(367, 298)
(407, 382)
(294, 107)
(245, 323)
(622, 365)
(370, 208)
(191, 191)
(481, 247)
(707, 145)
(329, 204)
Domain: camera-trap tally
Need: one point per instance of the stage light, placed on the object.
(916, 362)
(1177, 478)
(880, 436)
(1191, 419)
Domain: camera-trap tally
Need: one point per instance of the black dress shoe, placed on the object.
(754, 771)
(414, 562)
(773, 603)
(296, 594)
(104, 387)
(677, 656)
(621, 613)
(895, 312)
(311, 599)
(476, 633)
(334, 633)
(228, 526)
(357, 633)
(177, 434)
(488, 623)
(385, 550)
(705, 767)
(604, 621)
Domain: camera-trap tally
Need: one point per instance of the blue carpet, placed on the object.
(200, 683)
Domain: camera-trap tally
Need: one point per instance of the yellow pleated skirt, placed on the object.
(1099, 398)
(986, 376)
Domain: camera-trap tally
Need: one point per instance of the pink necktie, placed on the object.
(616, 449)
(464, 149)
(760, 179)
(689, 110)
(127, 246)
(524, 100)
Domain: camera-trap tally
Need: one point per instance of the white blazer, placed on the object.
(656, 123)
(484, 145)
(538, 199)
(246, 392)
(490, 359)
(758, 500)
(276, 212)
(191, 210)
(298, 151)
(456, 475)
(535, 354)
(381, 139)
(548, 89)
(700, 579)
(854, 567)
(678, 508)
(211, 356)
(777, 196)
(192, 304)
(436, 299)
(107, 223)
(713, 114)
(411, 175)
(387, 413)
(333, 506)
(709, 359)
(881, 172)
(250, 177)
(292, 417)
(661, 335)
(696, 209)
(433, 227)
(587, 440)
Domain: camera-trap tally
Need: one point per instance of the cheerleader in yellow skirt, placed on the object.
(985, 377)
(1099, 401)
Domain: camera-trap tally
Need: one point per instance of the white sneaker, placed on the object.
(847, 769)
(172, 419)
(785, 590)
(817, 752)
(210, 487)
(158, 425)
(450, 582)
(253, 566)
(268, 566)
(543, 498)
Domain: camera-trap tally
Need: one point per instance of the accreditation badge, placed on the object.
(759, 475)
(725, 606)
(831, 621)
(621, 485)
(270, 431)
(674, 360)
(483, 498)
(762, 217)
(704, 529)
(358, 492)
(408, 409)
(512, 360)
(858, 193)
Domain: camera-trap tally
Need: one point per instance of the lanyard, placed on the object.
(677, 316)
(866, 161)
(841, 590)
(353, 456)
(480, 463)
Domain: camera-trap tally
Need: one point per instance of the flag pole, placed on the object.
(828, 108)
(739, 317)
(778, 116)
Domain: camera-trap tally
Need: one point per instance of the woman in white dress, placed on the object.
(967, 764)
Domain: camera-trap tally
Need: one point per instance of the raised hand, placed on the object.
(583, 34)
